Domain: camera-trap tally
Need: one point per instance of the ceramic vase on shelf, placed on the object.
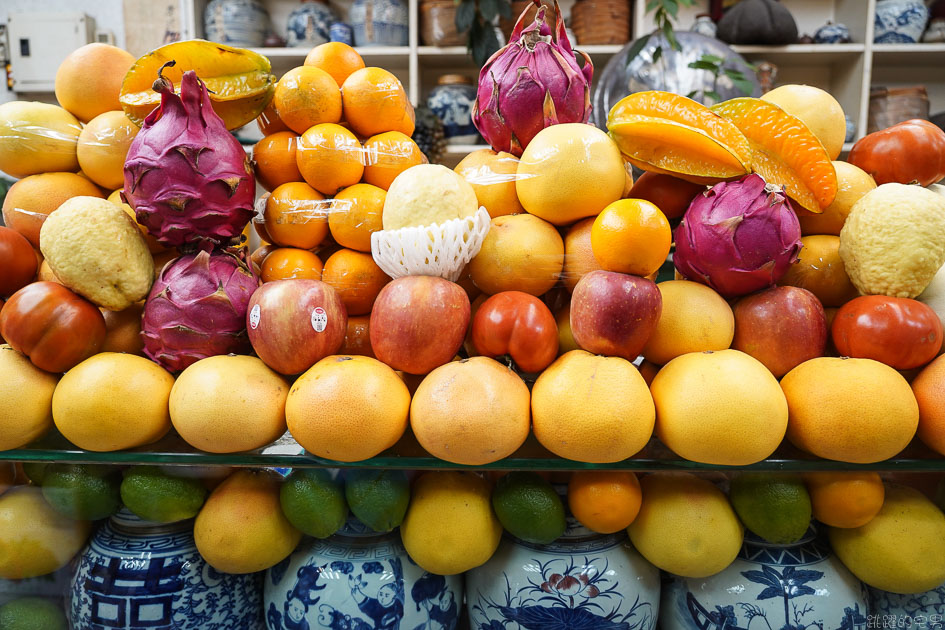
(341, 32)
(582, 580)
(831, 33)
(704, 25)
(899, 21)
(795, 586)
(922, 610)
(358, 579)
(135, 574)
(380, 22)
(310, 24)
(452, 102)
(241, 23)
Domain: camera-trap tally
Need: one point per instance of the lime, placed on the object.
(528, 507)
(36, 471)
(314, 502)
(378, 498)
(772, 506)
(83, 492)
(156, 496)
(32, 613)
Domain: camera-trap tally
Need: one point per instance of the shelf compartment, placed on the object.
(909, 55)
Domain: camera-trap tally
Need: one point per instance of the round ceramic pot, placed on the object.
(796, 587)
(892, 610)
(243, 23)
(379, 22)
(899, 21)
(582, 580)
(358, 580)
(831, 33)
(134, 574)
(341, 32)
(452, 102)
(310, 24)
(705, 26)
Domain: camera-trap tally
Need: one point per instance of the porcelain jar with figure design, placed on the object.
(801, 586)
(582, 580)
(358, 579)
(899, 21)
(135, 574)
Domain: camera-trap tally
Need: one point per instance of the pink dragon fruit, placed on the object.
(738, 237)
(188, 179)
(532, 83)
(197, 309)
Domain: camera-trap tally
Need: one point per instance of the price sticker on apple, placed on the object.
(319, 319)
(254, 316)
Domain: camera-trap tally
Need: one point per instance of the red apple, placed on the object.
(614, 313)
(419, 322)
(782, 327)
(293, 324)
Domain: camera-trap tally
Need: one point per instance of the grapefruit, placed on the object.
(89, 79)
(694, 319)
(30, 200)
(817, 109)
(26, 394)
(492, 175)
(103, 146)
(852, 183)
(520, 253)
(37, 138)
(929, 390)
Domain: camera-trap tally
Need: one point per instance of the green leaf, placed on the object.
(745, 86)
(713, 95)
(693, 94)
(671, 37)
(732, 73)
(657, 53)
(489, 9)
(636, 48)
(465, 16)
(651, 5)
(484, 43)
(672, 8)
(705, 65)
(712, 58)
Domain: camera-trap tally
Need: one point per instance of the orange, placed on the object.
(694, 318)
(929, 390)
(103, 146)
(355, 214)
(817, 109)
(348, 408)
(358, 336)
(845, 499)
(631, 236)
(259, 255)
(296, 215)
(269, 122)
(89, 80)
(857, 411)
(471, 412)
(820, 270)
(123, 330)
(852, 183)
(329, 158)
(336, 58)
(356, 278)
(287, 262)
(492, 176)
(307, 96)
(566, 342)
(604, 501)
(408, 124)
(575, 418)
(520, 253)
(374, 101)
(387, 155)
(274, 160)
(579, 257)
(30, 200)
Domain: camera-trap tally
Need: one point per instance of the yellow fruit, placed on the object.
(568, 172)
(450, 527)
(471, 412)
(520, 253)
(492, 175)
(241, 527)
(694, 318)
(591, 408)
(228, 404)
(89, 80)
(348, 408)
(900, 549)
(579, 259)
(852, 183)
(113, 401)
(103, 146)
(153, 245)
(35, 539)
(850, 410)
(820, 270)
(817, 109)
(685, 526)
(123, 330)
(30, 200)
(722, 408)
(427, 194)
(37, 138)
(25, 400)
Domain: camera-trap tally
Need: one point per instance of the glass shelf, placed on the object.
(407, 454)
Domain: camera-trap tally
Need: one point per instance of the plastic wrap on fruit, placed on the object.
(37, 138)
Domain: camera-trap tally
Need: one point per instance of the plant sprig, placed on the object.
(476, 17)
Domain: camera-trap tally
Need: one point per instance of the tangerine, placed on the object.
(288, 262)
(329, 158)
(631, 236)
(274, 160)
(929, 390)
(845, 499)
(387, 155)
(269, 122)
(358, 336)
(604, 501)
(374, 101)
(336, 58)
(307, 96)
(356, 278)
(579, 258)
(356, 213)
(296, 215)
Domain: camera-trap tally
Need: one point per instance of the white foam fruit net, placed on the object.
(440, 250)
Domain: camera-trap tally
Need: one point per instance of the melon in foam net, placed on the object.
(428, 194)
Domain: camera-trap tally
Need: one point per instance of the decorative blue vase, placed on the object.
(310, 24)
(341, 32)
(358, 580)
(892, 610)
(379, 22)
(831, 33)
(452, 102)
(582, 580)
(242, 23)
(135, 574)
(792, 587)
(851, 129)
(899, 21)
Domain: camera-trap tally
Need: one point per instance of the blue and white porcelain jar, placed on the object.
(341, 32)
(135, 574)
(893, 610)
(452, 102)
(582, 580)
(379, 22)
(358, 580)
(310, 24)
(243, 23)
(899, 21)
(797, 587)
(831, 33)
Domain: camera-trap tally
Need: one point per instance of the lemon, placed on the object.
(159, 497)
(528, 507)
(450, 527)
(32, 613)
(83, 492)
(314, 502)
(378, 498)
(774, 507)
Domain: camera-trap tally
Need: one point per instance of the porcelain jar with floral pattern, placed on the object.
(899, 21)
(914, 611)
(310, 24)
